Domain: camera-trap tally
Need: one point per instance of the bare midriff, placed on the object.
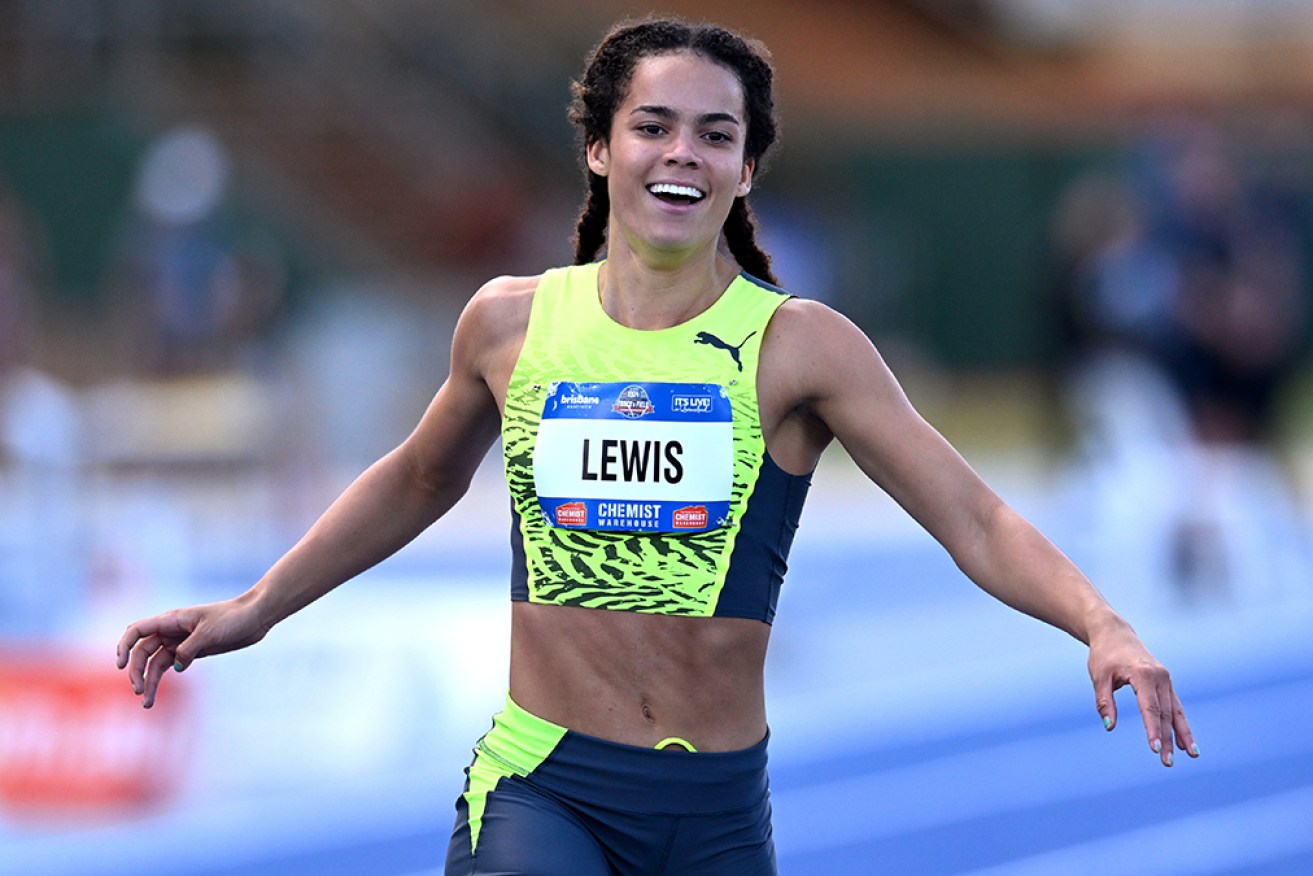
(641, 678)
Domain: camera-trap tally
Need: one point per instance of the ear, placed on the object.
(745, 178)
(598, 156)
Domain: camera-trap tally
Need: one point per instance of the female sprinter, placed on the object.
(660, 411)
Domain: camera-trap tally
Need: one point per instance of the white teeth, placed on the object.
(672, 189)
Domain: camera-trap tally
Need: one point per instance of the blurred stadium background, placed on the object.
(234, 237)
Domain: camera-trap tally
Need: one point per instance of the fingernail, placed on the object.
(177, 666)
(1194, 749)
(1156, 745)
(1169, 759)
(1107, 723)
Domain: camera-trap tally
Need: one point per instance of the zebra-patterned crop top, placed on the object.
(638, 473)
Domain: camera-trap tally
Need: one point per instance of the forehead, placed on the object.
(685, 81)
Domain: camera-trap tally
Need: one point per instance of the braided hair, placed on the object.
(606, 78)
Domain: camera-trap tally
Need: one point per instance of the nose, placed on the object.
(682, 150)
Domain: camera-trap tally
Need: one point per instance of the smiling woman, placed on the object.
(675, 163)
(661, 411)
(742, 115)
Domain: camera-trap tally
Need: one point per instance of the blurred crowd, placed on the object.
(195, 294)
(1185, 296)
(1185, 300)
(219, 416)
(185, 297)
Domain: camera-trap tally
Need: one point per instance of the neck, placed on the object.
(657, 294)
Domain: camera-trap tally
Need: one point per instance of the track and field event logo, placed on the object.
(633, 402)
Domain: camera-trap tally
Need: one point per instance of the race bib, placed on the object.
(635, 457)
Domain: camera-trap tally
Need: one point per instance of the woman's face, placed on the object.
(674, 163)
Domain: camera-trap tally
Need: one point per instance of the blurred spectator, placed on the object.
(1238, 305)
(1199, 275)
(1184, 294)
(195, 300)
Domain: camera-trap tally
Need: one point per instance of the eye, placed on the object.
(652, 129)
(719, 137)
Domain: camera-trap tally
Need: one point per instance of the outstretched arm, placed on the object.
(844, 384)
(386, 507)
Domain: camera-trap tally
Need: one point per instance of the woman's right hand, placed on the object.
(175, 638)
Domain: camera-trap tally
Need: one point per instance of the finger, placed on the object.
(159, 664)
(141, 653)
(1105, 702)
(1184, 735)
(160, 627)
(130, 637)
(139, 632)
(1153, 691)
(1167, 701)
(1146, 694)
(190, 648)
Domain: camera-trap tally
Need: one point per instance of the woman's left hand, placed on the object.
(1119, 658)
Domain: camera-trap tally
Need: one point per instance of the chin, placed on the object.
(678, 246)
(672, 253)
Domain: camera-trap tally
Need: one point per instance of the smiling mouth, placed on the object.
(676, 194)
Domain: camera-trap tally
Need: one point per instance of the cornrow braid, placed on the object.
(741, 237)
(590, 230)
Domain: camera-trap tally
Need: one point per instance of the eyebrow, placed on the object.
(666, 112)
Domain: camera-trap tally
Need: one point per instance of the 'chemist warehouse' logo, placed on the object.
(633, 402)
(572, 514)
(690, 517)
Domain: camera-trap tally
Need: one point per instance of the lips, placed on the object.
(676, 193)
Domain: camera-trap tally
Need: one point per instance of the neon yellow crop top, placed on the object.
(638, 474)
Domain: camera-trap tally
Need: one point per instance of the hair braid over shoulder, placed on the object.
(590, 230)
(741, 237)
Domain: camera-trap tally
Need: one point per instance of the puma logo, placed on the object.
(712, 341)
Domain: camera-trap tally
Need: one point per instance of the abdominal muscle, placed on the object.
(639, 679)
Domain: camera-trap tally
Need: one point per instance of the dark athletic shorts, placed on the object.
(544, 800)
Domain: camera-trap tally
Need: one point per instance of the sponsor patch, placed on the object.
(572, 514)
(690, 517)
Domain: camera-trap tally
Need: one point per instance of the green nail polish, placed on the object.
(1194, 749)
(1157, 746)
(1169, 760)
(1107, 723)
(177, 667)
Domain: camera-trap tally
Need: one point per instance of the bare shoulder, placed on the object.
(812, 345)
(503, 300)
(807, 321)
(494, 320)
(509, 288)
(817, 368)
(491, 331)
